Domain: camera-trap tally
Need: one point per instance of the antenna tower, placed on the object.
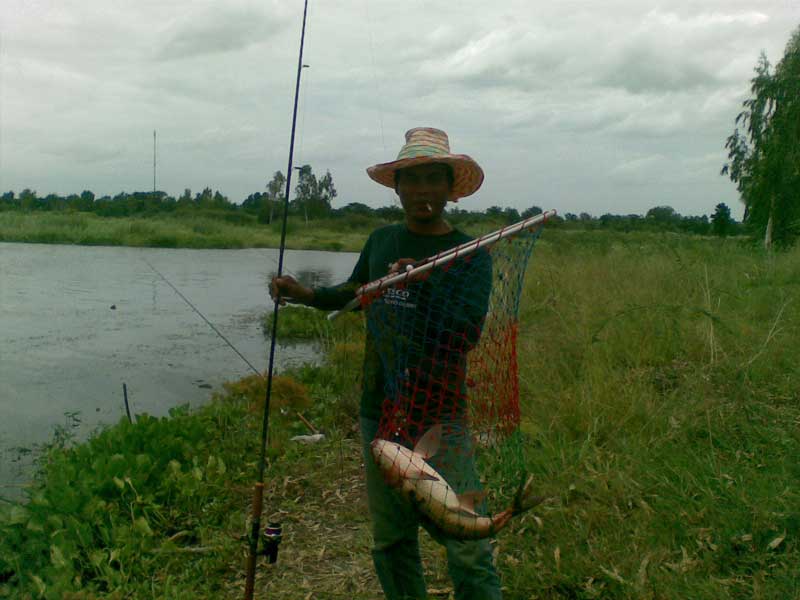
(154, 161)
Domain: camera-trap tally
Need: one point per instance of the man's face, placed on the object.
(424, 191)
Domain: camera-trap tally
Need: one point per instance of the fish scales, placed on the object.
(408, 471)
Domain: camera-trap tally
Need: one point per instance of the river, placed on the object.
(76, 322)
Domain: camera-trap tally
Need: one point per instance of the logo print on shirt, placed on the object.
(398, 297)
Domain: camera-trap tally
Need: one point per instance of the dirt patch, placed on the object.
(325, 553)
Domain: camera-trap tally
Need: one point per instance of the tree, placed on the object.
(204, 199)
(254, 202)
(531, 212)
(390, 213)
(494, 212)
(356, 208)
(721, 222)
(663, 215)
(53, 202)
(220, 201)
(699, 225)
(327, 192)
(511, 215)
(185, 199)
(314, 196)
(764, 158)
(87, 200)
(9, 201)
(305, 189)
(275, 191)
(27, 199)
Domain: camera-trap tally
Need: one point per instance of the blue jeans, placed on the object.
(395, 531)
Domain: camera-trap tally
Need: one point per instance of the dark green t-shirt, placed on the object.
(387, 245)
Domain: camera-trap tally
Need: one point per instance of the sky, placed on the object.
(615, 106)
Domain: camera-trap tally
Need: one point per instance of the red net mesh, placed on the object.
(446, 339)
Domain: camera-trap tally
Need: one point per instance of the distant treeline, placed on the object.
(259, 208)
(659, 218)
(313, 201)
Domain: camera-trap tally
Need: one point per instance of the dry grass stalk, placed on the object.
(773, 331)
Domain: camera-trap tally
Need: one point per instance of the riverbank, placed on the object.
(76, 322)
(209, 230)
(171, 231)
(659, 393)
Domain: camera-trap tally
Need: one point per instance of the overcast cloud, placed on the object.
(616, 106)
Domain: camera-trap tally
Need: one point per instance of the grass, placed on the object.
(204, 230)
(177, 231)
(659, 389)
(298, 323)
(659, 384)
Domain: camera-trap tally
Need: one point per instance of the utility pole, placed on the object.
(154, 161)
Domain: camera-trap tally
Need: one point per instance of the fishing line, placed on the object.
(306, 101)
(375, 73)
(202, 316)
(379, 95)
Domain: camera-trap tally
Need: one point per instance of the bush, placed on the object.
(102, 511)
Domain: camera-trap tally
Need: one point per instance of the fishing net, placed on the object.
(446, 339)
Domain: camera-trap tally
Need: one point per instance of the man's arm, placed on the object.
(288, 289)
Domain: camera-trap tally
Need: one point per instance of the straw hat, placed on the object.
(429, 145)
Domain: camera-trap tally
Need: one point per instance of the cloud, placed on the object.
(219, 29)
(645, 68)
(647, 52)
(574, 105)
(512, 57)
(666, 52)
(639, 170)
(705, 21)
(84, 152)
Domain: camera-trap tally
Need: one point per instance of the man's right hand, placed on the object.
(287, 289)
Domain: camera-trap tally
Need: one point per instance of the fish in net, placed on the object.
(445, 335)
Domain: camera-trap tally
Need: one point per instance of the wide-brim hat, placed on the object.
(428, 145)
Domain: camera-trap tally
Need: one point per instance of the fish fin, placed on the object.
(420, 475)
(463, 510)
(428, 444)
(468, 500)
(524, 498)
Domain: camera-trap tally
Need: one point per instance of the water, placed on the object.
(76, 322)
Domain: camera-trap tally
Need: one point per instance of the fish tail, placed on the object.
(524, 499)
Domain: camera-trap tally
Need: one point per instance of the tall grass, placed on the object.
(659, 386)
(660, 381)
(175, 231)
(201, 230)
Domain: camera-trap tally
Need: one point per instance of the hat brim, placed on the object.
(467, 174)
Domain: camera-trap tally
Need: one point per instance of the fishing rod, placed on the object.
(272, 535)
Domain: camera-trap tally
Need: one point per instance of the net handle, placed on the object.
(441, 258)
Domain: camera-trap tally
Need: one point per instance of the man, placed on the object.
(425, 176)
